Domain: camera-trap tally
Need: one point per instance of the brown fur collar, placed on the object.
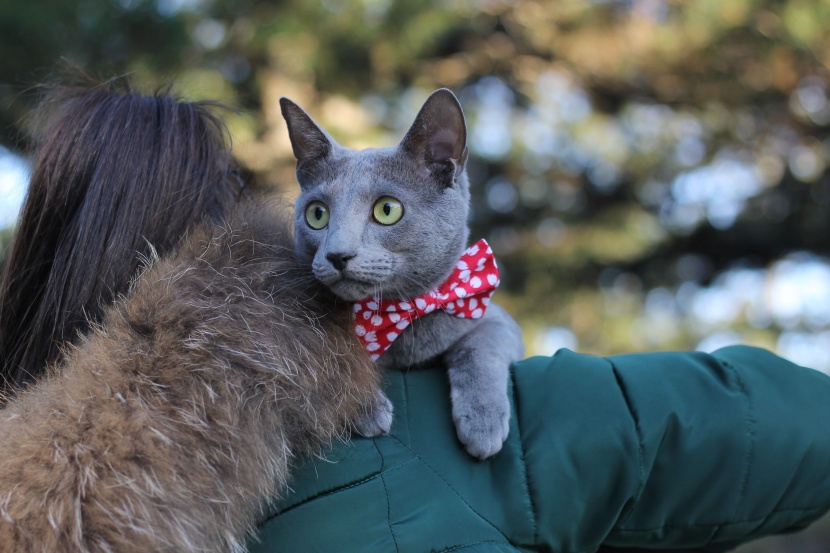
(171, 424)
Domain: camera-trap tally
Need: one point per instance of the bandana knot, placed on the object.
(466, 294)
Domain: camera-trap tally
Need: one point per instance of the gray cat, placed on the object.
(392, 223)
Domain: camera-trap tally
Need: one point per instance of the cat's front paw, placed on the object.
(481, 428)
(375, 419)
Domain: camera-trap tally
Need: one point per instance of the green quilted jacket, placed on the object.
(662, 450)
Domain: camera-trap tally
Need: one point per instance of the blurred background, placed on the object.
(652, 174)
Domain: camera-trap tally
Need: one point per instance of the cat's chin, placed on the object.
(350, 290)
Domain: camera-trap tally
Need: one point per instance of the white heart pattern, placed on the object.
(390, 317)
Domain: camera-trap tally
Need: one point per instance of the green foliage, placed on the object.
(622, 151)
(6, 236)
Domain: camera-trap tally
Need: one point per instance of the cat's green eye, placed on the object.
(387, 210)
(317, 215)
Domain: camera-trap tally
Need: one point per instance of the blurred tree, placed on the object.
(627, 155)
(652, 173)
(619, 147)
(101, 37)
(6, 235)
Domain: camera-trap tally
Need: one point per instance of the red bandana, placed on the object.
(466, 293)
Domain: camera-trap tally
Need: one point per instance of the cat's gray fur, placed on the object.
(426, 172)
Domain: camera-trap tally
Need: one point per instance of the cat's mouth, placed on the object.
(350, 284)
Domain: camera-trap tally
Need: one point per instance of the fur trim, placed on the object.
(170, 426)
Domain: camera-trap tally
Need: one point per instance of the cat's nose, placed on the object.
(339, 260)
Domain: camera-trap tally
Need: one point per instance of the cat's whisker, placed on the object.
(422, 287)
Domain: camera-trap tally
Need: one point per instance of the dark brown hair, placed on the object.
(116, 176)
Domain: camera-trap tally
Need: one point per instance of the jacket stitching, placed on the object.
(386, 493)
(640, 443)
(466, 545)
(336, 489)
(316, 497)
(795, 510)
(750, 431)
(460, 497)
(406, 407)
(525, 471)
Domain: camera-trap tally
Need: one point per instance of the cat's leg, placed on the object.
(479, 365)
(375, 419)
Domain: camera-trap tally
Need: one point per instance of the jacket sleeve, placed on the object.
(672, 450)
(669, 451)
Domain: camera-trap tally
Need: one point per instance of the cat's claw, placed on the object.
(375, 419)
(482, 429)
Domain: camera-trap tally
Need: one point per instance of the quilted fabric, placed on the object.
(665, 450)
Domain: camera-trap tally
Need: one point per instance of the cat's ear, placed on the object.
(310, 143)
(438, 137)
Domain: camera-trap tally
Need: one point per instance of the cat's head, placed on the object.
(390, 222)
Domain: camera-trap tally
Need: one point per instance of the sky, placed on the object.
(14, 176)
